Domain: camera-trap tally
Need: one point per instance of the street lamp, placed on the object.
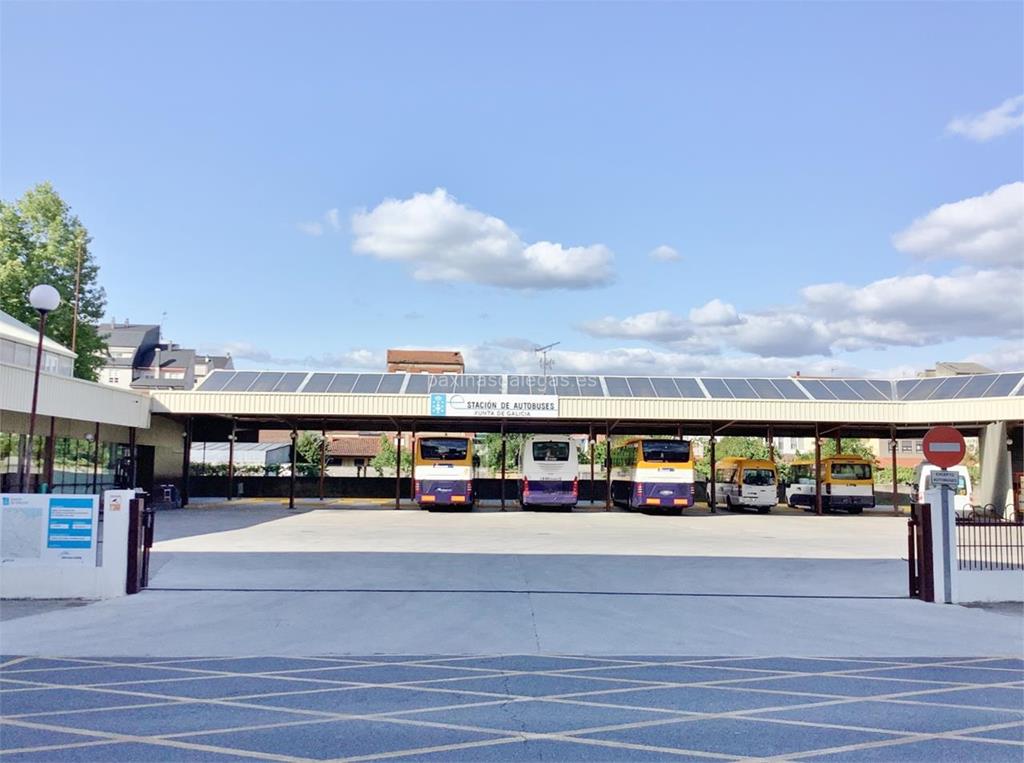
(45, 299)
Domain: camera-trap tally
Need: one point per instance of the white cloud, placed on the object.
(443, 240)
(660, 325)
(665, 253)
(330, 220)
(715, 313)
(986, 229)
(250, 356)
(1004, 118)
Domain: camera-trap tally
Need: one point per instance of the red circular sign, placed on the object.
(944, 446)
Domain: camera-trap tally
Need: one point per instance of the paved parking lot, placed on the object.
(515, 708)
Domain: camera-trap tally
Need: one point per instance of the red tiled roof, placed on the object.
(354, 446)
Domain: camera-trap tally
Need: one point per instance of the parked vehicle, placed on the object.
(847, 482)
(444, 470)
(746, 482)
(549, 465)
(653, 474)
(962, 498)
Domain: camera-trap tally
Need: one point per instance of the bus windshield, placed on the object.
(851, 471)
(758, 477)
(551, 451)
(443, 449)
(668, 451)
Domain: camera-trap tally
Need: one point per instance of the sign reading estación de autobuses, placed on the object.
(493, 406)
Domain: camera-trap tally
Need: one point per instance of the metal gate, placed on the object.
(141, 522)
(919, 557)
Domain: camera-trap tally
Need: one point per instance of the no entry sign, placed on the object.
(944, 446)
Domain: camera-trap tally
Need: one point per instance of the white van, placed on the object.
(922, 481)
(549, 465)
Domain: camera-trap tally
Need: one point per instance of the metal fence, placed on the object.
(984, 543)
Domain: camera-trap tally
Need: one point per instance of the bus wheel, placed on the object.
(857, 510)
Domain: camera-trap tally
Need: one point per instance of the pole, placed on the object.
(291, 478)
(78, 281)
(412, 464)
(591, 446)
(607, 467)
(323, 459)
(503, 464)
(35, 400)
(49, 453)
(771, 444)
(398, 471)
(186, 461)
(839, 445)
(895, 483)
(817, 469)
(96, 458)
(712, 495)
(231, 459)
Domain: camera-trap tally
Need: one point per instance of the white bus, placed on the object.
(443, 472)
(847, 482)
(653, 474)
(549, 465)
(963, 495)
(746, 482)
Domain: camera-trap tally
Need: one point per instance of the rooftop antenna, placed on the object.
(545, 363)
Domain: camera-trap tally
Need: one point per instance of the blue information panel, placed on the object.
(70, 523)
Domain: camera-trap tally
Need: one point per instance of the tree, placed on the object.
(742, 447)
(40, 242)
(492, 451)
(307, 454)
(387, 457)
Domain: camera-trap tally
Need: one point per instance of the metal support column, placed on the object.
(591, 446)
(503, 451)
(895, 482)
(96, 458)
(186, 460)
(771, 444)
(817, 469)
(134, 451)
(231, 458)
(49, 454)
(323, 459)
(607, 467)
(291, 478)
(412, 462)
(839, 445)
(398, 471)
(712, 496)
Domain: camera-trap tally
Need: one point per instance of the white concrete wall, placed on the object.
(990, 585)
(74, 581)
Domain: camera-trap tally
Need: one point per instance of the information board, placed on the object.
(48, 529)
(493, 406)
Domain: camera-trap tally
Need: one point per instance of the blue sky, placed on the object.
(234, 163)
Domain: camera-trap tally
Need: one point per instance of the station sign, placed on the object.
(38, 528)
(456, 405)
(944, 447)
